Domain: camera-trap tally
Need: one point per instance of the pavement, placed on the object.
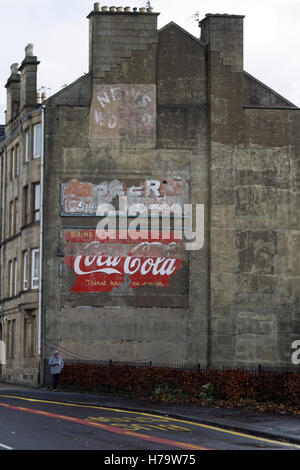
(269, 425)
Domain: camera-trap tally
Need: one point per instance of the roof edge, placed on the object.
(71, 85)
(182, 30)
(289, 104)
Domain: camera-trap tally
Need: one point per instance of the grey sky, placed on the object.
(59, 32)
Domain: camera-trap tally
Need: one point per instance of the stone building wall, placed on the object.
(19, 303)
(160, 118)
(254, 153)
(141, 119)
(165, 107)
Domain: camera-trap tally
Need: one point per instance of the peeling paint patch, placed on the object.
(85, 198)
(123, 111)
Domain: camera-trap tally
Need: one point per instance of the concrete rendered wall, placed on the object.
(169, 107)
(254, 229)
(142, 118)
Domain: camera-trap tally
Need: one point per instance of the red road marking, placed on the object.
(108, 428)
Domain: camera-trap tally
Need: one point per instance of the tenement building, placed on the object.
(20, 150)
(103, 183)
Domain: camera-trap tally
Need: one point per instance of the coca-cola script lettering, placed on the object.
(141, 264)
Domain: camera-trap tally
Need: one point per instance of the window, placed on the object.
(29, 334)
(10, 278)
(27, 146)
(11, 219)
(25, 205)
(15, 216)
(33, 337)
(17, 160)
(3, 176)
(27, 328)
(12, 165)
(37, 141)
(15, 276)
(35, 268)
(14, 162)
(25, 270)
(11, 335)
(36, 202)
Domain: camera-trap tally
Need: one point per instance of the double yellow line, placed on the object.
(191, 423)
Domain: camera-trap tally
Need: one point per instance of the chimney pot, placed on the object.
(120, 9)
(143, 10)
(14, 69)
(150, 10)
(104, 8)
(127, 9)
(29, 50)
(112, 9)
(96, 6)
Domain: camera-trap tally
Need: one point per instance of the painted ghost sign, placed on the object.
(123, 111)
(102, 266)
(79, 198)
(134, 256)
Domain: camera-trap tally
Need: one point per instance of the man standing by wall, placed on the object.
(56, 364)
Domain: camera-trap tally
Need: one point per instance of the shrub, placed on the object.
(182, 386)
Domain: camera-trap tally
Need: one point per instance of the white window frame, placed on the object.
(37, 141)
(35, 280)
(36, 198)
(25, 270)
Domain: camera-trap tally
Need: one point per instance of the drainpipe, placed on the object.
(41, 236)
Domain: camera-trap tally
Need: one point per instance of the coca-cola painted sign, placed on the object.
(103, 266)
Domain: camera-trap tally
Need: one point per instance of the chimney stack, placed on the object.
(116, 32)
(13, 93)
(223, 34)
(28, 71)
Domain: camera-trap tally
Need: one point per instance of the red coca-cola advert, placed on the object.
(100, 266)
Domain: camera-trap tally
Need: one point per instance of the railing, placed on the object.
(251, 367)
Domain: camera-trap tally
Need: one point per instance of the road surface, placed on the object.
(37, 424)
